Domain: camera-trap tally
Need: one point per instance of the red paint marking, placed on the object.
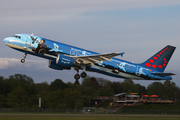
(158, 55)
(160, 66)
(165, 61)
(155, 58)
(148, 64)
(164, 64)
(164, 58)
(151, 61)
(154, 66)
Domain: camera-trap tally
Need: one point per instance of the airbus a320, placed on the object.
(62, 56)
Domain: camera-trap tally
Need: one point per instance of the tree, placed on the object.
(128, 86)
(53, 99)
(170, 90)
(140, 89)
(106, 90)
(18, 98)
(156, 88)
(90, 86)
(72, 97)
(117, 87)
(42, 87)
(57, 84)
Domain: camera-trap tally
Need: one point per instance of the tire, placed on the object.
(77, 76)
(83, 74)
(22, 60)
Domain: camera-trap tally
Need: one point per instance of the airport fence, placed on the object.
(86, 111)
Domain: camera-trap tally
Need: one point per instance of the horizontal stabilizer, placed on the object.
(163, 74)
(122, 54)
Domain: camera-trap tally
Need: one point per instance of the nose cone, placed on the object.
(6, 40)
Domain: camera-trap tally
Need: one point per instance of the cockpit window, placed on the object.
(16, 36)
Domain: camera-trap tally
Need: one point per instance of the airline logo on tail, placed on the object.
(160, 60)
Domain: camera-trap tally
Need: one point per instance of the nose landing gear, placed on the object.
(23, 60)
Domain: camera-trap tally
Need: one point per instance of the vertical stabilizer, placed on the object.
(160, 60)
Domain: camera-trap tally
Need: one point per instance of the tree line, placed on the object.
(20, 91)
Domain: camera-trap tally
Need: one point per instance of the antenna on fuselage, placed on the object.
(32, 33)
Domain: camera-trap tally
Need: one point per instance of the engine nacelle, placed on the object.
(65, 61)
(53, 65)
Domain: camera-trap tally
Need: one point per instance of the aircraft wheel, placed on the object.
(77, 76)
(22, 60)
(83, 74)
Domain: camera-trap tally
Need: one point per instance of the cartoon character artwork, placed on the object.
(140, 71)
(55, 48)
(122, 66)
(41, 48)
(84, 53)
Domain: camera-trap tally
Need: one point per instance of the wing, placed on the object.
(91, 59)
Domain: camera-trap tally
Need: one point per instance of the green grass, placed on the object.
(33, 117)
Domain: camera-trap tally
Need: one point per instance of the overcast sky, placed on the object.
(140, 28)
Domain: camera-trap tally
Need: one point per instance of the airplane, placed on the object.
(62, 56)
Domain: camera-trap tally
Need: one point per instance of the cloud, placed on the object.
(82, 5)
(13, 63)
(63, 9)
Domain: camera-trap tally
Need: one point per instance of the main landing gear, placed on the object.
(82, 75)
(77, 76)
(23, 60)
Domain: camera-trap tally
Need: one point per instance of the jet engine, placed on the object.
(53, 65)
(65, 61)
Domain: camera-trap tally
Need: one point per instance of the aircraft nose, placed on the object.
(6, 40)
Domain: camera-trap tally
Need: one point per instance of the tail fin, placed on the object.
(160, 60)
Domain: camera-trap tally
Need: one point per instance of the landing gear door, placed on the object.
(28, 40)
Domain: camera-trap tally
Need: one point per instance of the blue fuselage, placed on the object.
(31, 44)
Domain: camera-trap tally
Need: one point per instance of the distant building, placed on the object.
(124, 99)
